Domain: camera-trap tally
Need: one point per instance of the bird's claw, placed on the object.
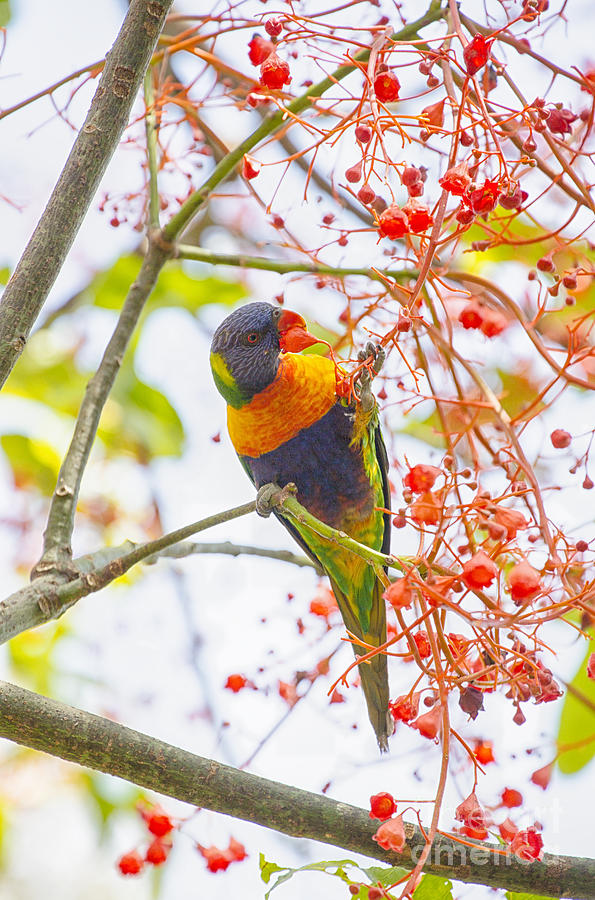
(378, 354)
(270, 496)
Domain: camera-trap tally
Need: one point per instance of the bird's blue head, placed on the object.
(246, 347)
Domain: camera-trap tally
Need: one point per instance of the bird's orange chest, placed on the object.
(303, 391)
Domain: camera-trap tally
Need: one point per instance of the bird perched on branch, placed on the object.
(289, 421)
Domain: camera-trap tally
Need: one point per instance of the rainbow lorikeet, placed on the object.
(289, 423)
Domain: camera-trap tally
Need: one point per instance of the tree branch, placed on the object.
(80, 737)
(57, 552)
(227, 548)
(93, 148)
(184, 251)
(47, 598)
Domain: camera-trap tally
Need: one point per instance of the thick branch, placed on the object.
(95, 144)
(89, 740)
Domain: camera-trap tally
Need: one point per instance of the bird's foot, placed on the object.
(270, 496)
(366, 397)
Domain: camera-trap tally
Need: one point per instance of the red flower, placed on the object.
(217, 860)
(511, 798)
(382, 806)
(559, 121)
(393, 222)
(324, 603)
(236, 850)
(513, 198)
(457, 644)
(476, 834)
(470, 812)
(427, 509)
(391, 835)
(591, 667)
(476, 53)
(288, 692)
(250, 167)
(479, 571)
(456, 180)
(156, 820)
(423, 645)
(524, 582)
(464, 215)
(259, 49)
(400, 594)
(542, 777)
(433, 116)
(511, 519)
(157, 852)
(527, 844)
(507, 830)
(274, 72)
(131, 863)
(471, 316)
(420, 218)
(484, 198)
(483, 752)
(421, 478)
(387, 86)
(429, 723)
(235, 683)
(493, 322)
(405, 708)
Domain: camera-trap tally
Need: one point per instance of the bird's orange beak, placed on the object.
(293, 335)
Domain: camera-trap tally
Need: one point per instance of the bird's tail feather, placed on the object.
(373, 674)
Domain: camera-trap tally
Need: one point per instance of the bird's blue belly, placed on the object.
(328, 472)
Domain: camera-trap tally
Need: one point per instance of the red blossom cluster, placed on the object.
(391, 834)
(160, 827)
(218, 860)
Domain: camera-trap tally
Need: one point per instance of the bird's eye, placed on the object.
(252, 337)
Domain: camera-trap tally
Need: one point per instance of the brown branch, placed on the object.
(88, 740)
(95, 144)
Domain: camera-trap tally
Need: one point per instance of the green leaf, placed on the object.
(34, 463)
(4, 270)
(4, 13)
(175, 287)
(433, 887)
(384, 875)
(267, 869)
(577, 722)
